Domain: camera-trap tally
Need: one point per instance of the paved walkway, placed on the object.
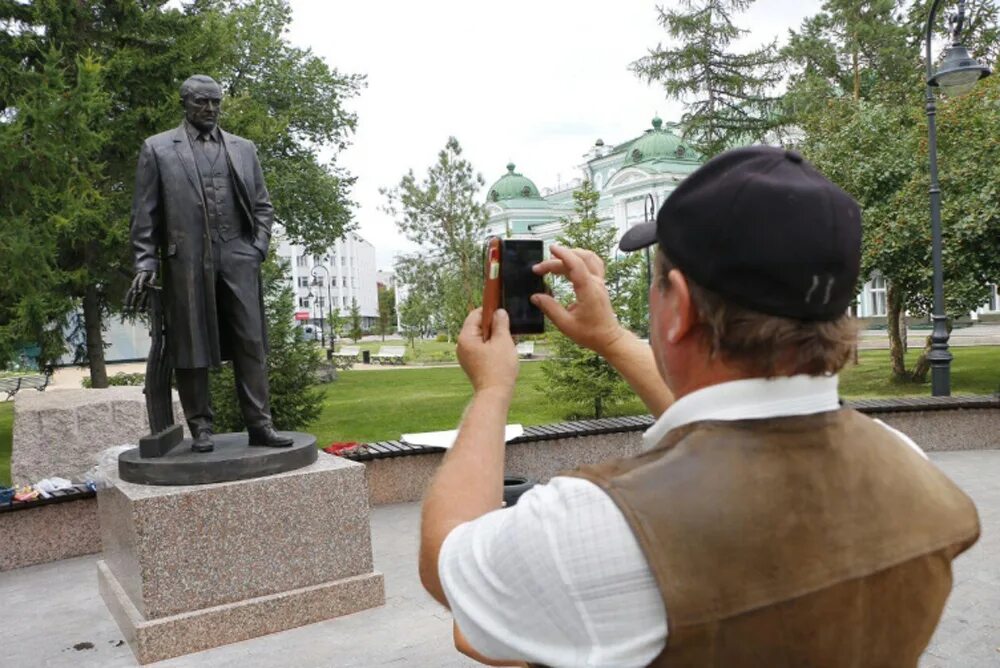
(54, 617)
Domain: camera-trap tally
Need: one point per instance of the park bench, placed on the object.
(389, 355)
(346, 357)
(526, 349)
(11, 385)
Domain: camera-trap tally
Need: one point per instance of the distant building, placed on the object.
(333, 279)
(627, 175)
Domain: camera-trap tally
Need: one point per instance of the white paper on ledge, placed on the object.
(446, 439)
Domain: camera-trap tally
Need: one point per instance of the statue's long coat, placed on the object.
(169, 223)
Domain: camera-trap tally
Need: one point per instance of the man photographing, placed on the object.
(763, 524)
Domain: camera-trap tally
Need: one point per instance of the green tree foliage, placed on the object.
(292, 363)
(354, 321)
(138, 52)
(415, 316)
(856, 93)
(576, 376)
(386, 310)
(442, 213)
(729, 96)
(55, 135)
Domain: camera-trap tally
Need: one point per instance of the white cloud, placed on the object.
(531, 82)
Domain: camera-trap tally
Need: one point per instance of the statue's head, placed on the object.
(201, 97)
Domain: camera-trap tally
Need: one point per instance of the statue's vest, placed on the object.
(819, 540)
(225, 220)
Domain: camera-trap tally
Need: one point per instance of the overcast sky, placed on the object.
(533, 82)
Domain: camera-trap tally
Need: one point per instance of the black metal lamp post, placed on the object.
(649, 213)
(957, 75)
(329, 303)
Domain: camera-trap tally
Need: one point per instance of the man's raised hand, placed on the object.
(590, 320)
(489, 364)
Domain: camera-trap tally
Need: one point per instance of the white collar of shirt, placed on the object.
(750, 399)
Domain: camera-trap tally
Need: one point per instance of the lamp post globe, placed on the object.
(958, 73)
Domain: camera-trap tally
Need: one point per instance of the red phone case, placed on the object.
(491, 284)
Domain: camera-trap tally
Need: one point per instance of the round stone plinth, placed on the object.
(232, 459)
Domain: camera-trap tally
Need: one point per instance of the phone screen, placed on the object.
(520, 282)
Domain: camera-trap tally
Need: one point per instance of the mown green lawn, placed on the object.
(424, 352)
(382, 405)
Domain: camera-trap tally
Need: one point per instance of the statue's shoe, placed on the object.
(203, 442)
(268, 437)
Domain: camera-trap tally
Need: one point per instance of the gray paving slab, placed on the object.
(54, 618)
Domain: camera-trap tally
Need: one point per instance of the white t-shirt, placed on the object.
(559, 578)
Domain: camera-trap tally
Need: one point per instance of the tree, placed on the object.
(858, 66)
(415, 316)
(292, 363)
(286, 100)
(336, 325)
(575, 375)
(54, 134)
(443, 215)
(354, 321)
(386, 310)
(728, 95)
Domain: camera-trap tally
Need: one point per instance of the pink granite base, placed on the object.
(49, 533)
(176, 635)
(191, 567)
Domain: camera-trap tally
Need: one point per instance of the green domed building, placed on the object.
(625, 175)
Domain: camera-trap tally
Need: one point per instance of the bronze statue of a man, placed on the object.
(201, 218)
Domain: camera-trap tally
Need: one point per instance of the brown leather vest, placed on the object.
(817, 540)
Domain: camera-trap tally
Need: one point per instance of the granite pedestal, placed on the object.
(187, 568)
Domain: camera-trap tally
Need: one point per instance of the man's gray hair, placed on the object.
(196, 79)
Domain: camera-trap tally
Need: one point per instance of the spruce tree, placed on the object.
(729, 96)
(574, 375)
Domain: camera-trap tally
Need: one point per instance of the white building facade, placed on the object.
(633, 179)
(331, 281)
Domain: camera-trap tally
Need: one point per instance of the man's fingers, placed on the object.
(575, 268)
(501, 325)
(550, 266)
(594, 263)
(552, 309)
(473, 325)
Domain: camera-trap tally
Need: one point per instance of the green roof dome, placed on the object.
(658, 144)
(512, 186)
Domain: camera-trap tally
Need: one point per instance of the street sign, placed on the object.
(302, 315)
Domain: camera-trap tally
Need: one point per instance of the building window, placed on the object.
(876, 296)
(343, 260)
(303, 281)
(303, 302)
(301, 260)
(994, 304)
(319, 302)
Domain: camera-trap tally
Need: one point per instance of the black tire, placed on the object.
(513, 487)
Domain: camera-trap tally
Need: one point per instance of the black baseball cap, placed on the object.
(761, 227)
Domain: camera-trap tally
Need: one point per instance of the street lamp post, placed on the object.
(649, 213)
(329, 303)
(958, 73)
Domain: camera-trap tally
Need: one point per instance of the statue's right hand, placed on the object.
(137, 293)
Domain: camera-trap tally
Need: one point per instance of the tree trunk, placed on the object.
(897, 339)
(598, 408)
(923, 365)
(857, 75)
(95, 337)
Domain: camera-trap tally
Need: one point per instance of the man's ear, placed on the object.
(682, 312)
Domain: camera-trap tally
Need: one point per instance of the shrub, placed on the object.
(119, 379)
(441, 338)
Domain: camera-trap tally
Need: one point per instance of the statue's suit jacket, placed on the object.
(169, 231)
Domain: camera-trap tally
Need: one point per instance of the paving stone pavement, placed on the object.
(54, 617)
